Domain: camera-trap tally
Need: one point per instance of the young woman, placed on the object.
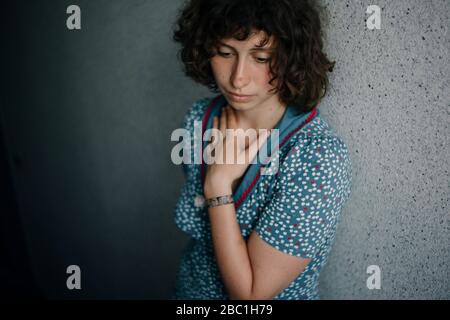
(259, 236)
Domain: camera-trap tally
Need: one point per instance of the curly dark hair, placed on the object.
(299, 64)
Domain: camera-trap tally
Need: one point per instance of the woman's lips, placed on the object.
(239, 98)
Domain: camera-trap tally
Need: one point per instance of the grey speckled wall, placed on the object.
(88, 119)
(390, 101)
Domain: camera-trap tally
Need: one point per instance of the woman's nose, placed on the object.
(240, 77)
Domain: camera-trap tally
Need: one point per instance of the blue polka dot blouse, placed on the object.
(296, 209)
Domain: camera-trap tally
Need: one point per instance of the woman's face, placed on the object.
(240, 67)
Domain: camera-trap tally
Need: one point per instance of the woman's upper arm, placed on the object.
(273, 270)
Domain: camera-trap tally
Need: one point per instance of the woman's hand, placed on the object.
(226, 169)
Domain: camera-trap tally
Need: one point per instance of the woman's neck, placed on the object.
(261, 117)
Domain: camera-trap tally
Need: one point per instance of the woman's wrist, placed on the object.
(219, 201)
(213, 189)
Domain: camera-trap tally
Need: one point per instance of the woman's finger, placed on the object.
(257, 144)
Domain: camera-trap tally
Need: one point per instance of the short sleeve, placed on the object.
(314, 180)
(193, 117)
(189, 212)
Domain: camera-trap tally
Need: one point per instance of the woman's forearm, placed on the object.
(231, 251)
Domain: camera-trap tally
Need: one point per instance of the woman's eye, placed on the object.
(262, 60)
(229, 54)
(224, 54)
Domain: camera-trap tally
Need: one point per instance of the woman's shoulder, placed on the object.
(319, 133)
(318, 146)
(317, 158)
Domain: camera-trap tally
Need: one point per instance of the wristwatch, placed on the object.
(219, 201)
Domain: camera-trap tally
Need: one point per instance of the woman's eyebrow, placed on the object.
(252, 49)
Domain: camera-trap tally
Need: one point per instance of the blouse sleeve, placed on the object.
(313, 183)
(193, 117)
(189, 212)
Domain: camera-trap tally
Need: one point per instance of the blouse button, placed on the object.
(199, 201)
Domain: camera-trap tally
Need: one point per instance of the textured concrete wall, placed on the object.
(390, 101)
